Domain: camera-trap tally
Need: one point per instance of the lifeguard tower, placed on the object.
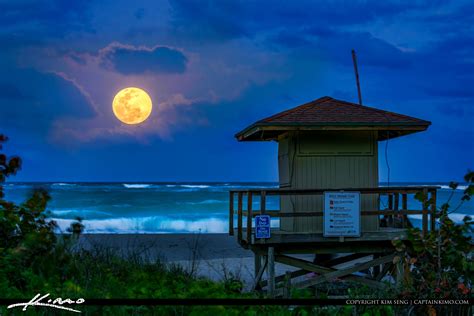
(329, 196)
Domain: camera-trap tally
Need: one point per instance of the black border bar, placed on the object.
(238, 302)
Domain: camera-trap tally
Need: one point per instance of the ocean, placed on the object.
(120, 208)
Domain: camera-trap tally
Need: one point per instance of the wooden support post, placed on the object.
(287, 285)
(231, 214)
(424, 222)
(390, 207)
(433, 210)
(404, 207)
(399, 272)
(397, 217)
(259, 274)
(271, 272)
(239, 216)
(257, 263)
(425, 213)
(376, 269)
(263, 202)
(390, 201)
(249, 218)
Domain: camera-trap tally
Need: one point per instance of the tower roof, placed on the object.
(327, 113)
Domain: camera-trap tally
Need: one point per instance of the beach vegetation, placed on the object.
(440, 264)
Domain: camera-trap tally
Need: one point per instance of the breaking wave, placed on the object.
(455, 217)
(206, 202)
(150, 225)
(136, 186)
(195, 186)
(446, 187)
(78, 213)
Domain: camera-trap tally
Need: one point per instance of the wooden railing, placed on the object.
(395, 197)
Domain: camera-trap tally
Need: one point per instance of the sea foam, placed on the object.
(136, 186)
(455, 217)
(80, 213)
(446, 187)
(151, 225)
(195, 186)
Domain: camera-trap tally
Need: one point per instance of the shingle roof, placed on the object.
(327, 112)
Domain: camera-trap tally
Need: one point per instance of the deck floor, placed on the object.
(381, 238)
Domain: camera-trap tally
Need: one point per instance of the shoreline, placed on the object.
(215, 256)
(168, 247)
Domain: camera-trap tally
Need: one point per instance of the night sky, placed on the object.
(214, 67)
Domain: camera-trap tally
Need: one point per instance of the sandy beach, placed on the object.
(215, 256)
(169, 247)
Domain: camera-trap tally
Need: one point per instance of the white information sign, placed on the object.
(341, 214)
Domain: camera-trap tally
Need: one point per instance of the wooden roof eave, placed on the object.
(267, 132)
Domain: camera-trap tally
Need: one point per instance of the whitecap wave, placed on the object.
(455, 217)
(136, 186)
(61, 184)
(206, 202)
(150, 225)
(78, 213)
(446, 187)
(195, 186)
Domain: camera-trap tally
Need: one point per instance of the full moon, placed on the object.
(132, 105)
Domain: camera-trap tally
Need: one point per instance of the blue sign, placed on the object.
(262, 226)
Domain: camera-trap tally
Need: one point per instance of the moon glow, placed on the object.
(132, 105)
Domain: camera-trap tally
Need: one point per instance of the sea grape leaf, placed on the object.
(469, 177)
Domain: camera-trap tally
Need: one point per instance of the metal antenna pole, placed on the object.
(354, 60)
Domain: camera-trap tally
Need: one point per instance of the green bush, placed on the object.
(440, 264)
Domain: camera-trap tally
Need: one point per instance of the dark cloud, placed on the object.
(289, 39)
(221, 20)
(140, 13)
(34, 100)
(445, 69)
(452, 91)
(451, 22)
(130, 60)
(30, 20)
(335, 46)
(10, 91)
(209, 20)
(372, 51)
(141, 32)
(456, 109)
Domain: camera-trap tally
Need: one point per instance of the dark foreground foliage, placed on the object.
(440, 265)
